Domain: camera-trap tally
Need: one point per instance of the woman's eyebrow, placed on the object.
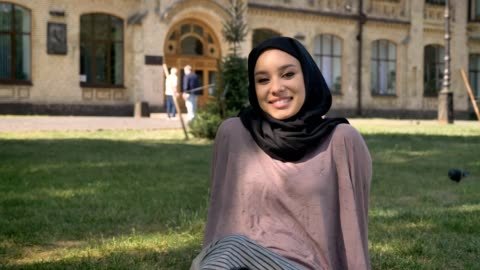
(286, 66)
(281, 68)
(260, 72)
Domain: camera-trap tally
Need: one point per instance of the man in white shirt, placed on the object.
(171, 83)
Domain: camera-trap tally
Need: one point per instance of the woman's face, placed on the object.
(279, 84)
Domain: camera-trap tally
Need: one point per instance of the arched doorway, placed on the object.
(193, 43)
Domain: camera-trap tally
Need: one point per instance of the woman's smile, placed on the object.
(281, 103)
(279, 84)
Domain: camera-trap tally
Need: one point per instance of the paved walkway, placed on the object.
(45, 123)
(155, 121)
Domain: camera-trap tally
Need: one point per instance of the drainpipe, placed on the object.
(362, 18)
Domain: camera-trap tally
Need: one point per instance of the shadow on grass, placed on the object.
(77, 190)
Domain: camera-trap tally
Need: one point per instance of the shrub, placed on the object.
(206, 121)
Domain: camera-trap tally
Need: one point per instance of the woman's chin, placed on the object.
(281, 114)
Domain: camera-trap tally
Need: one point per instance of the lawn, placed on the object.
(137, 199)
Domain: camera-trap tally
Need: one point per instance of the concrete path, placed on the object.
(155, 121)
(47, 123)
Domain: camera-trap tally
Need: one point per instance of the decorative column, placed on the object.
(445, 97)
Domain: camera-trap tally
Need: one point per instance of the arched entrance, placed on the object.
(191, 42)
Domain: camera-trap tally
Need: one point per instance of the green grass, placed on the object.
(137, 199)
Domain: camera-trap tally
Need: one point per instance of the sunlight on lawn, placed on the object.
(138, 199)
(98, 248)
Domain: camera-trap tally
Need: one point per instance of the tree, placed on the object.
(234, 68)
(235, 28)
(232, 84)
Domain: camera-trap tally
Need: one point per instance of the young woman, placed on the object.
(289, 186)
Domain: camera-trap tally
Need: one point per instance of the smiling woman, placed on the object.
(279, 84)
(289, 187)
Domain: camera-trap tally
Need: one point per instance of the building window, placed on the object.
(101, 50)
(191, 45)
(433, 69)
(15, 25)
(260, 35)
(191, 38)
(474, 73)
(474, 10)
(435, 2)
(384, 70)
(328, 56)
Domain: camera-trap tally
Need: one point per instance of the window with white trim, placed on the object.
(15, 43)
(101, 50)
(383, 68)
(328, 56)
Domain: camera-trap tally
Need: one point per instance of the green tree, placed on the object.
(235, 28)
(232, 82)
(234, 68)
(235, 84)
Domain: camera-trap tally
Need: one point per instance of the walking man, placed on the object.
(191, 89)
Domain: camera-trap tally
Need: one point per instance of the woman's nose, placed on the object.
(277, 87)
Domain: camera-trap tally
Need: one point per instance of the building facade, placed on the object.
(105, 57)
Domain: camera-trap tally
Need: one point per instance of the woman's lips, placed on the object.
(281, 103)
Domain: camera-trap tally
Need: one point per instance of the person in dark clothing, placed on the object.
(191, 89)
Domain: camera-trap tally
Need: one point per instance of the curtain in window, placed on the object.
(14, 43)
(474, 8)
(383, 67)
(328, 56)
(435, 2)
(5, 57)
(433, 69)
(101, 49)
(474, 73)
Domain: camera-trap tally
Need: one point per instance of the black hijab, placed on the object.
(290, 139)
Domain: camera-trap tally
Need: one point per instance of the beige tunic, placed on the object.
(313, 212)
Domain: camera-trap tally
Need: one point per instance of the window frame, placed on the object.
(95, 43)
(378, 59)
(472, 17)
(476, 75)
(435, 2)
(439, 66)
(13, 50)
(319, 57)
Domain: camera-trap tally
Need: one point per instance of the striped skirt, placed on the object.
(237, 252)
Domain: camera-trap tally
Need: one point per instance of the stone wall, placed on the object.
(410, 25)
(56, 78)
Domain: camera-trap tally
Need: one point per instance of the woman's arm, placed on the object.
(354, 170)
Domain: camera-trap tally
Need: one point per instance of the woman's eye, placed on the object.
(289, 74)
(262, 80)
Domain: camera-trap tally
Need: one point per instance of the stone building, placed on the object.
(103, 57)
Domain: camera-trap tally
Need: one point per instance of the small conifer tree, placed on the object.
(235, 28)
(234, 68)
(232, 82)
